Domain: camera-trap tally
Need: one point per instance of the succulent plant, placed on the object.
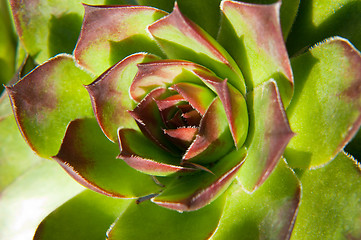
(187, 120)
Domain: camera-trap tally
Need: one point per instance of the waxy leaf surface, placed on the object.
(110, 96)
(268, 136)
(321, 19)
(90, 158)
(112, 33)
(47, 99)
(34, 195)
(7, 45)
(331, 201)
(47, 28)
(15, 155)
(191, 192)
(325, 112)
(86, 216)
(160, 223)
(182, 39)
(267, 213)
(260, 50)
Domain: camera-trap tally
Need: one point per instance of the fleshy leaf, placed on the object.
(7, 45)
(88, 156)
(182, 39)
(182, 136)
(269, 135)
(325, 112)
(142, 154)
(15, 155)
(267, 213)
(191, 192)
(148, 220)
(47, 99)
(198, 96)
(26, 201)
(86, 216)
(259, 47)
(112, 33)
(110, 96)
(234, 104)
(48, 28)
(149, 120)
(163, 73)
(214, 138)
(321, 19)
(332, 194)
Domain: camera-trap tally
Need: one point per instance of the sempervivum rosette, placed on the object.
(152, 107)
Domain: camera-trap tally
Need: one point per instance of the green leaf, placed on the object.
(47, 28)
(147, 220)
(88, 156)
(182, 39)
(256, 35)
(7, 45)
(204, 14)
(86, 216)
(288, 12)
(268, 136)
(325, 111)
(34, 194)
(110, 95)
(112, 33)
(192, 192)
(319, 19)
(47, 99)
(331, 206)
(267, 213)
(15, 155)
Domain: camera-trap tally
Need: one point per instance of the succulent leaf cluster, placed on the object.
(184, 120)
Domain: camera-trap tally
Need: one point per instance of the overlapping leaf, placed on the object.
(47, 99)
(325, 112)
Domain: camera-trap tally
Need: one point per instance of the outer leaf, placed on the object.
(148, 220)
(47, 99)
(191, 192)
(259, 37)
(25, 202)
(7, 45)
(52, 30)
(15, 155)
(182, 39)
(112, 33)
(268, 136)
(86, 216)
(321, 19)
(331, 205)
(110, 97)
(267, 213)
(325, 112)
(90, 159)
